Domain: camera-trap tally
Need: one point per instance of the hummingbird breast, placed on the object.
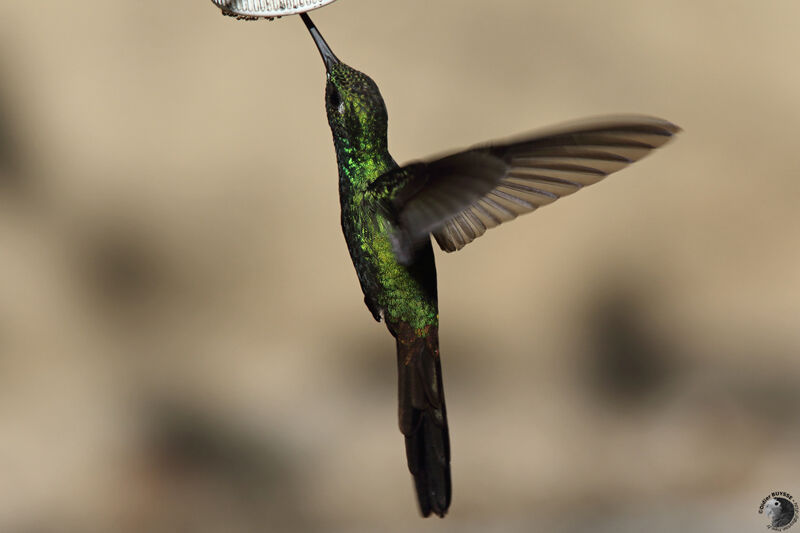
(401, 293)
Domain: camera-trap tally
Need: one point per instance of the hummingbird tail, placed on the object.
(423, 417)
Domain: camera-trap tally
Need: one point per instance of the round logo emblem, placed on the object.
(781, 509)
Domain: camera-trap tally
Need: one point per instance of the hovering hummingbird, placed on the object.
(390, 211)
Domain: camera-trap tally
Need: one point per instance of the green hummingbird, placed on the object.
(388, 213)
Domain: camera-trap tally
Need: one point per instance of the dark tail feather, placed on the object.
(423, 417)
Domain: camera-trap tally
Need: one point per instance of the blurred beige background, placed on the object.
(183, 342)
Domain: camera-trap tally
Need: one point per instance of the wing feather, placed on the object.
(543, 169)
(459, 196)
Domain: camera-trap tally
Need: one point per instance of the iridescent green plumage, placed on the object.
(358, 120)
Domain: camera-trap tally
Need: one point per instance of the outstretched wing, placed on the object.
(460, 196)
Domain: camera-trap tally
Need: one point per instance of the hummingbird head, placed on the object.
(355, 108)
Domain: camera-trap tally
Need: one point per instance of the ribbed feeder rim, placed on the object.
(256, 9)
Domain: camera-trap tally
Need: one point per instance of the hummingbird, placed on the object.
(389, 212)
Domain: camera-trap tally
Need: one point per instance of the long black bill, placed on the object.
(324, 50)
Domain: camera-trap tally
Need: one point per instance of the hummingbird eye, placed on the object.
(333, 97)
